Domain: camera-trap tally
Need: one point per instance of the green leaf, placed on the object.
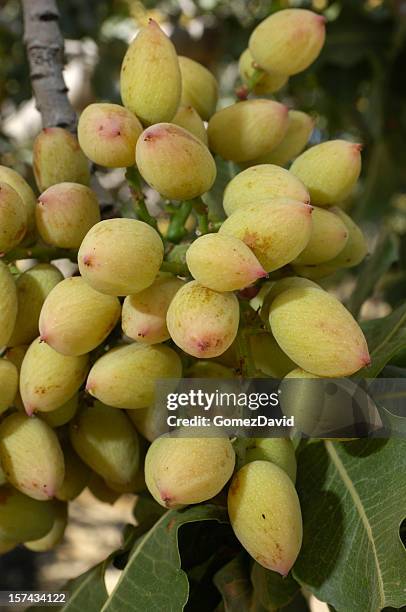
(392, 371)
(146, 512)
(390, 399)
(399, 360)
(353, 502)
(153, 578)
(393, 422)
(233, 582)
(87, 592)
(272, 590)
(385, 254)
(386, 337)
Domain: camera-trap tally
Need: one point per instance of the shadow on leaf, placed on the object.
(323, 518)
(364, 448)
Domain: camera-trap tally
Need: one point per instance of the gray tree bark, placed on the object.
(45, 50)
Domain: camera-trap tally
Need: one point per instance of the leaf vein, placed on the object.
(361, 511)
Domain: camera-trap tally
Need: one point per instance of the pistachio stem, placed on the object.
(40, 252)
(201, 212)
(175, 268)
(245, 361)
(243, 92)
(134, 180)
(176, 230)
(215, 225)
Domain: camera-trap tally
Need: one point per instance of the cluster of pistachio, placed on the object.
(78, 412)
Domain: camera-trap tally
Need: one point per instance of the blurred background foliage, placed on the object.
(356, 89)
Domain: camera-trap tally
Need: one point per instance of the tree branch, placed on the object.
(45, 50)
